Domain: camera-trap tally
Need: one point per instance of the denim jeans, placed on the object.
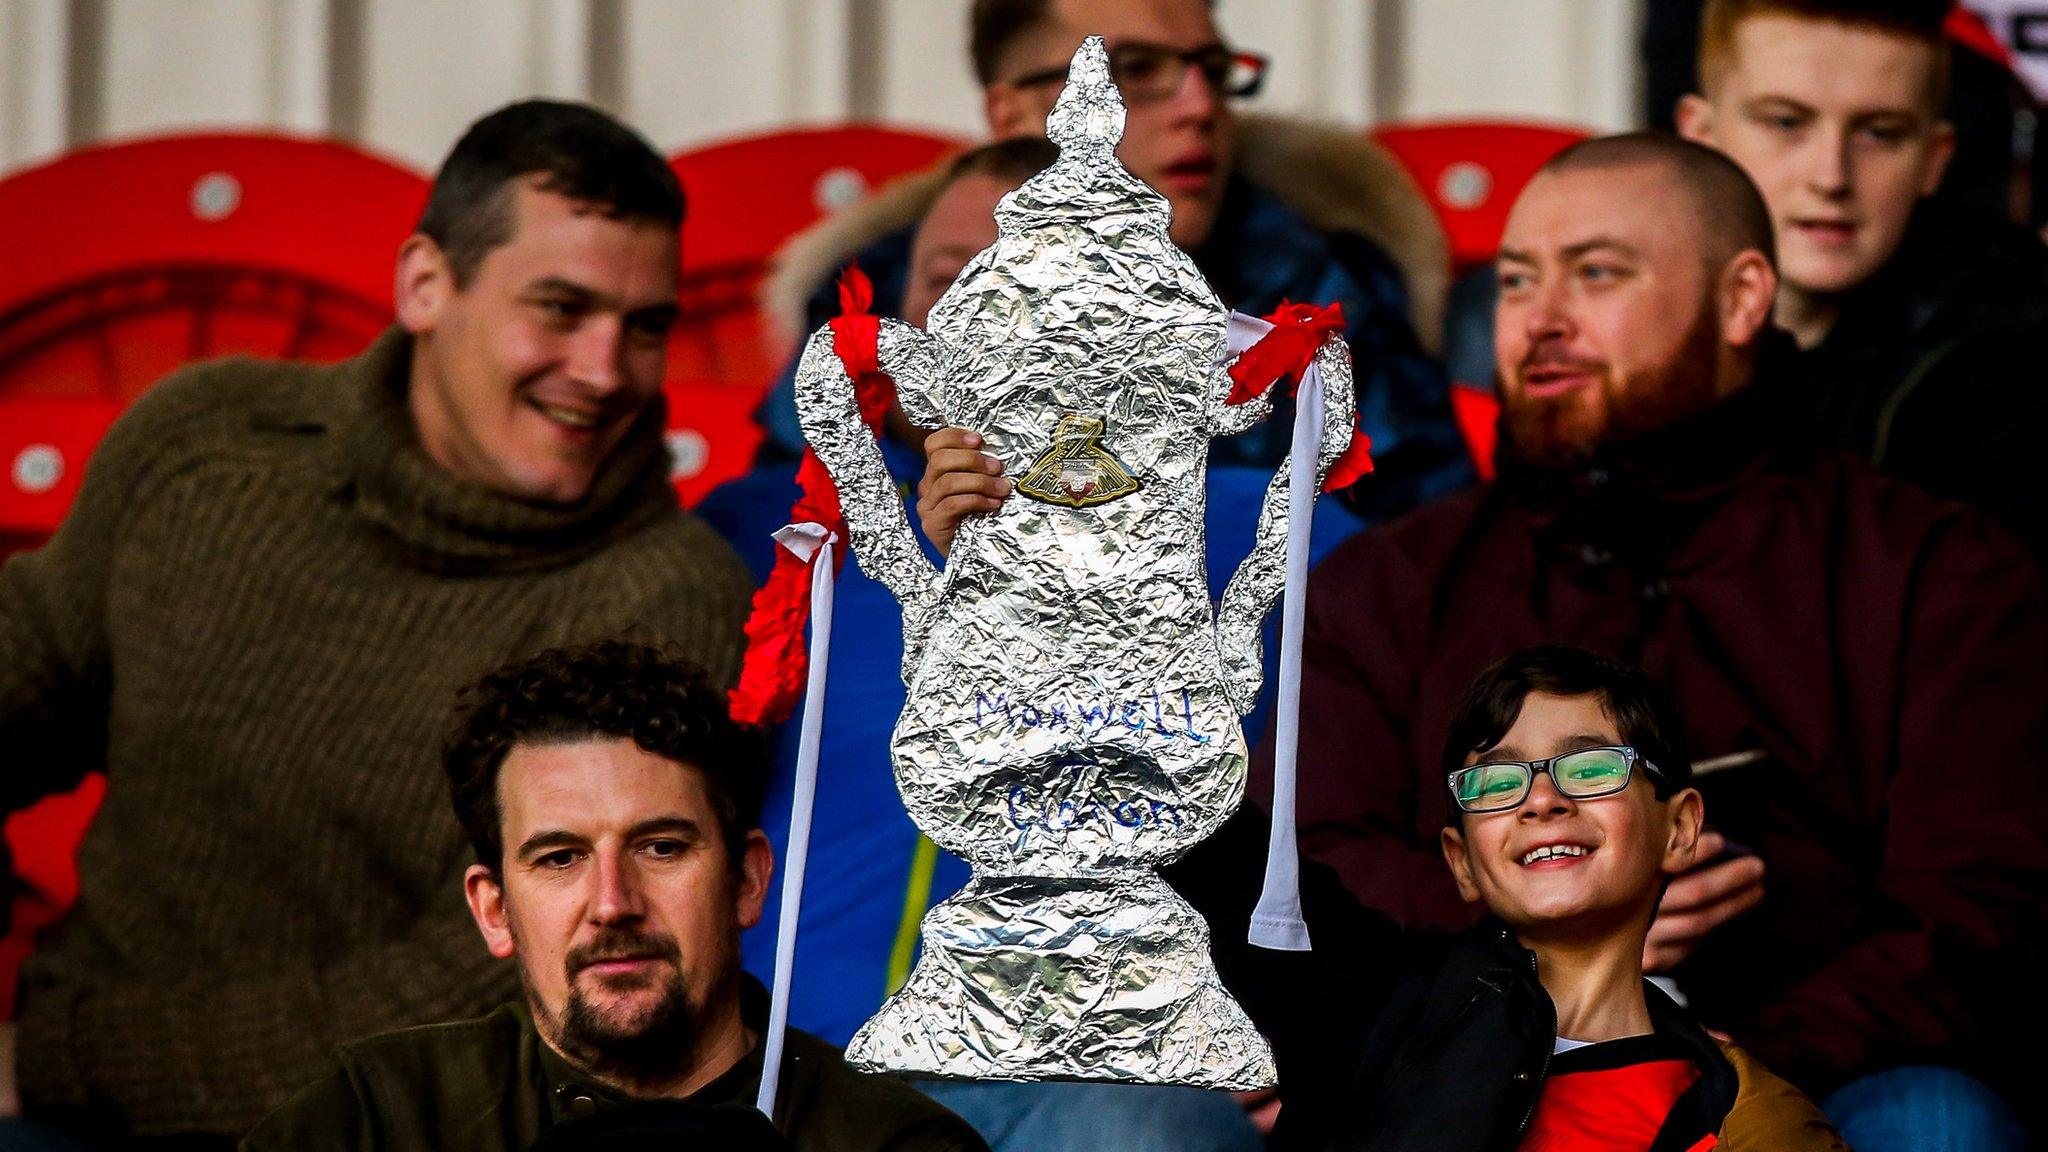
(31, 1136)
(1071, 1117)
(1923, 1108)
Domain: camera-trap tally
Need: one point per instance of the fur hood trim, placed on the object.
(1337, 180)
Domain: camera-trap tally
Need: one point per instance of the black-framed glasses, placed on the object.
(1582, 774)
(1146, 72)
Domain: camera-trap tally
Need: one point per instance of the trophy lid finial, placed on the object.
(1089, 114)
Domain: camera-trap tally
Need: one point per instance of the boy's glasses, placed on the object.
(1148, 72)
(1582, 774)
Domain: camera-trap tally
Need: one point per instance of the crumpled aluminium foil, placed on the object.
(1072, 713)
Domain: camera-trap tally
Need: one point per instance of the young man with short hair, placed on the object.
(614, 810)
(1571, 808)
(274, 572)
(1919, 324)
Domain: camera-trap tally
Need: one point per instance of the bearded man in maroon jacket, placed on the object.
(1866, 666)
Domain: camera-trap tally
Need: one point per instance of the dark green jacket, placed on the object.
(491, 1084)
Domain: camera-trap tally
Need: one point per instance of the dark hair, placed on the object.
(1730, 211)
(1922, 20)
(574, 149)
(995, 24)
(1642, 713)
(612, 688)
(1014, 160)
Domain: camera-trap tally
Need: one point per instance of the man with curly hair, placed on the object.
(614, 809)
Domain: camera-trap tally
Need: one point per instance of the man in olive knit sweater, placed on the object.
(256, 616)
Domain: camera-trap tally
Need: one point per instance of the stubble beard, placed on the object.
(636, 1049)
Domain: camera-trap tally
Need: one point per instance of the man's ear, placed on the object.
(425, 283)
(1695, 118)
(757, 867)
(1749, 291)
(1688, 818)
(487, 907)
(1940, 150)
(1453, 842)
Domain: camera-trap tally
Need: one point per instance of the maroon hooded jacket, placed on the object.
(1880, 659)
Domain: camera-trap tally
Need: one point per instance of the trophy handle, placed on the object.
(908, 356)
(1258, 581)
(829, 414)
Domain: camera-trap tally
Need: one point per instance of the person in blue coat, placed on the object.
(873, 875)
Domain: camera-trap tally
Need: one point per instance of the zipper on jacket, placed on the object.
(1889, 413)
(1542, 1069)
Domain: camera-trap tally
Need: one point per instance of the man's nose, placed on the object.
(618, 897)
(1548, 316)
(1827, 162)
(594, 354)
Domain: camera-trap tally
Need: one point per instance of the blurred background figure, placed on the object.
(1271, 210)
(1917, 305)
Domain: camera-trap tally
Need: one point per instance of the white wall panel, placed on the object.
(1320, 54)
(430, 67)
(301, 65)
(926, 79)
(34, 66)
(700, 70)
(405, 76)
(1565, 60)
(197, 64)
(1606, 44)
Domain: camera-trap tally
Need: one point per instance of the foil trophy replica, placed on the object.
(1072, 713)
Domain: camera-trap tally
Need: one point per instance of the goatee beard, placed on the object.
(653, 1046)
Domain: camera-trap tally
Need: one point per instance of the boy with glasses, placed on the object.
(1571, 810)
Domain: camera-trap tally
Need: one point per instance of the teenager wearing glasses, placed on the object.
(1270, 209)
(1571, 809)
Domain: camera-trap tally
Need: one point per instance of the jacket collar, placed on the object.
(442, 524)
(1705, 1105)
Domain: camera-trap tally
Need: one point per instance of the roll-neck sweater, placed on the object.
(256, 620)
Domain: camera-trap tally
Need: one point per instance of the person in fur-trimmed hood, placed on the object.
(1271, 210)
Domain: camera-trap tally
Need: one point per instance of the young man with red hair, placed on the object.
(1918, 322)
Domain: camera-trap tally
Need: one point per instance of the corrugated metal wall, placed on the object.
(404, 76)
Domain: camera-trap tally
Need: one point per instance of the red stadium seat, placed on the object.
(747, 197)
(151, 254)
(1472, 171)
(1477, 412)
(117, 265)
(44, 840)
